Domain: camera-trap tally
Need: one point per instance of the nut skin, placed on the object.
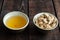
(46, 21)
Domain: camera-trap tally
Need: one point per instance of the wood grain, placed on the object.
(37, 7)
(8, 6)
(31, 8)
(1, 3)
(57, 8)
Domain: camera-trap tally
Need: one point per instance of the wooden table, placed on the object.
(30, 7)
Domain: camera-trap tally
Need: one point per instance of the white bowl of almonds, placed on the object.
(45, 21)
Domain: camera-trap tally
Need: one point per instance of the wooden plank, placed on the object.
(1, 3)
(37, 7)
(57, 7)
(8, 6)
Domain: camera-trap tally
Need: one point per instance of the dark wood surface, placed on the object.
(8, 6)
(31, 8)
(37, 7)
(57, 9)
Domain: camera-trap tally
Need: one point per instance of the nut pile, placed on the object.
(46, 21)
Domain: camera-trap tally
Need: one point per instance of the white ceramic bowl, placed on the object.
(15, 13)
(37, 15)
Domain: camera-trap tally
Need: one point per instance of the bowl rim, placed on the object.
(16, 28)
(41, 14)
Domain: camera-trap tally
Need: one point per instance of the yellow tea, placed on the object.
(16, 22)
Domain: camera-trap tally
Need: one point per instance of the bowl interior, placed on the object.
(37, 15)
(15, 13)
